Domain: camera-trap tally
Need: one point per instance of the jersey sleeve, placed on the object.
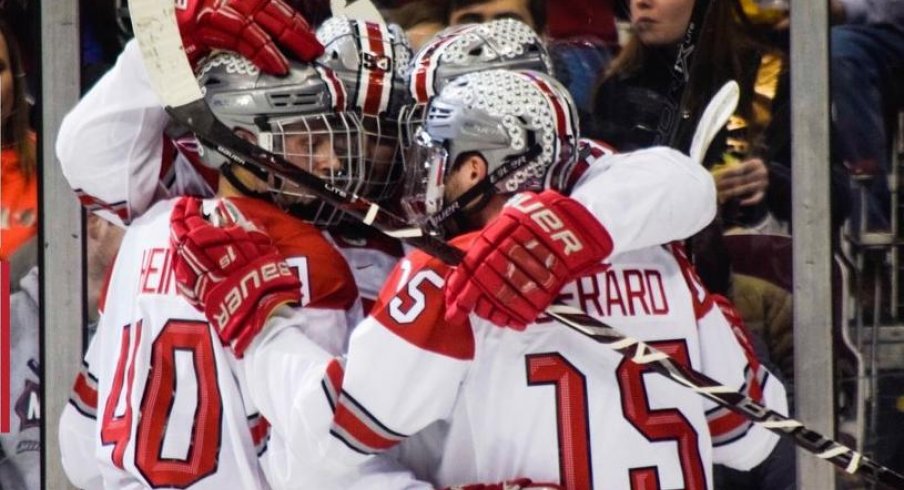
(77, 428)
(647, 197)
(111, 145)
(727, 356)
(287, 372)
(404, 366)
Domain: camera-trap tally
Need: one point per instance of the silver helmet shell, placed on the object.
(521, 122)
(300, 116)
(498, 44)
(458, 50)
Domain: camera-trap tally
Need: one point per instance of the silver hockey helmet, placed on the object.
(372, 61)
(458, 50)
(522, 123)
(300, 116)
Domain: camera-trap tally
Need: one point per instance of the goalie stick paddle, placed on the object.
(714, 117)
(171, 75)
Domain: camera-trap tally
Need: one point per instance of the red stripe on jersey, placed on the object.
(334, 374)
(260, 429)
(360, 431)
(376, 77)
(703, 301)
(85, 390)
(92, 204)
(726, 423)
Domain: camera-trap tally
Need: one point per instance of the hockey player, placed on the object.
(372, 61)
(112, 147)
(492, 394)
(543, 402)
(160, 401)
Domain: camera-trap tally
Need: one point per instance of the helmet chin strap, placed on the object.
(228, 171)
(458, 216)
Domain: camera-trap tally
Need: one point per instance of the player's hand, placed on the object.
(253, 28)
(520, 261)
(229, 270)
(519, 484)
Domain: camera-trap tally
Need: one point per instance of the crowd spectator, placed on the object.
(867, 56)
(421, 20)
(18, 176)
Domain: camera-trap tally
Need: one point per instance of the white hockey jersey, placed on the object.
(160, 402)
(548, 403)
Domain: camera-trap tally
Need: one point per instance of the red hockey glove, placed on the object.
(231, 272)
(519, 484)
(252, 28)
(520, 261)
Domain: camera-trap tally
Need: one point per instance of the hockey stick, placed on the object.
(155, 28)
(357, 9)
(717, 112)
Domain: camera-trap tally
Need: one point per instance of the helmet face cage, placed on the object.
(372, 62)
(300, 117)
(521, 122)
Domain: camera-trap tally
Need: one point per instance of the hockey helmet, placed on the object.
(523, 124)
(300, 117)
(468, 48)
(372, 61)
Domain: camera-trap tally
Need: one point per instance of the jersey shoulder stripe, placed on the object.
(412, 305)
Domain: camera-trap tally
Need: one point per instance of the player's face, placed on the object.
(494, 9)
(660, 22)
(6, 81)
(314, 151)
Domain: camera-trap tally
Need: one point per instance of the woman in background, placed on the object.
(18, 175)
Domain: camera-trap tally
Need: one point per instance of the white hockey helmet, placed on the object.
(372, 61)
(522, 123)
(468, 48)
(300, 117)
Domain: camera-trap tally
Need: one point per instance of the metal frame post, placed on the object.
(61, 232)
(813, 368)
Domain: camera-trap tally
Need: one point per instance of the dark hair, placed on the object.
(537, 10)
(726, 44)
(417, 12)
(21, 128)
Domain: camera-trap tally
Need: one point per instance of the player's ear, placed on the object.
(474, 168)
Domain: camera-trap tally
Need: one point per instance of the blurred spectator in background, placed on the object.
(18, 175)
(866, 68)
(20, 462)
(579, 35)
(581, 39)
(420, 19)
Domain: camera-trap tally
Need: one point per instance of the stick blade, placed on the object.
(357, 9)
(155, 28)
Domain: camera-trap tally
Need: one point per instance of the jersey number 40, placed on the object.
(193, 338)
